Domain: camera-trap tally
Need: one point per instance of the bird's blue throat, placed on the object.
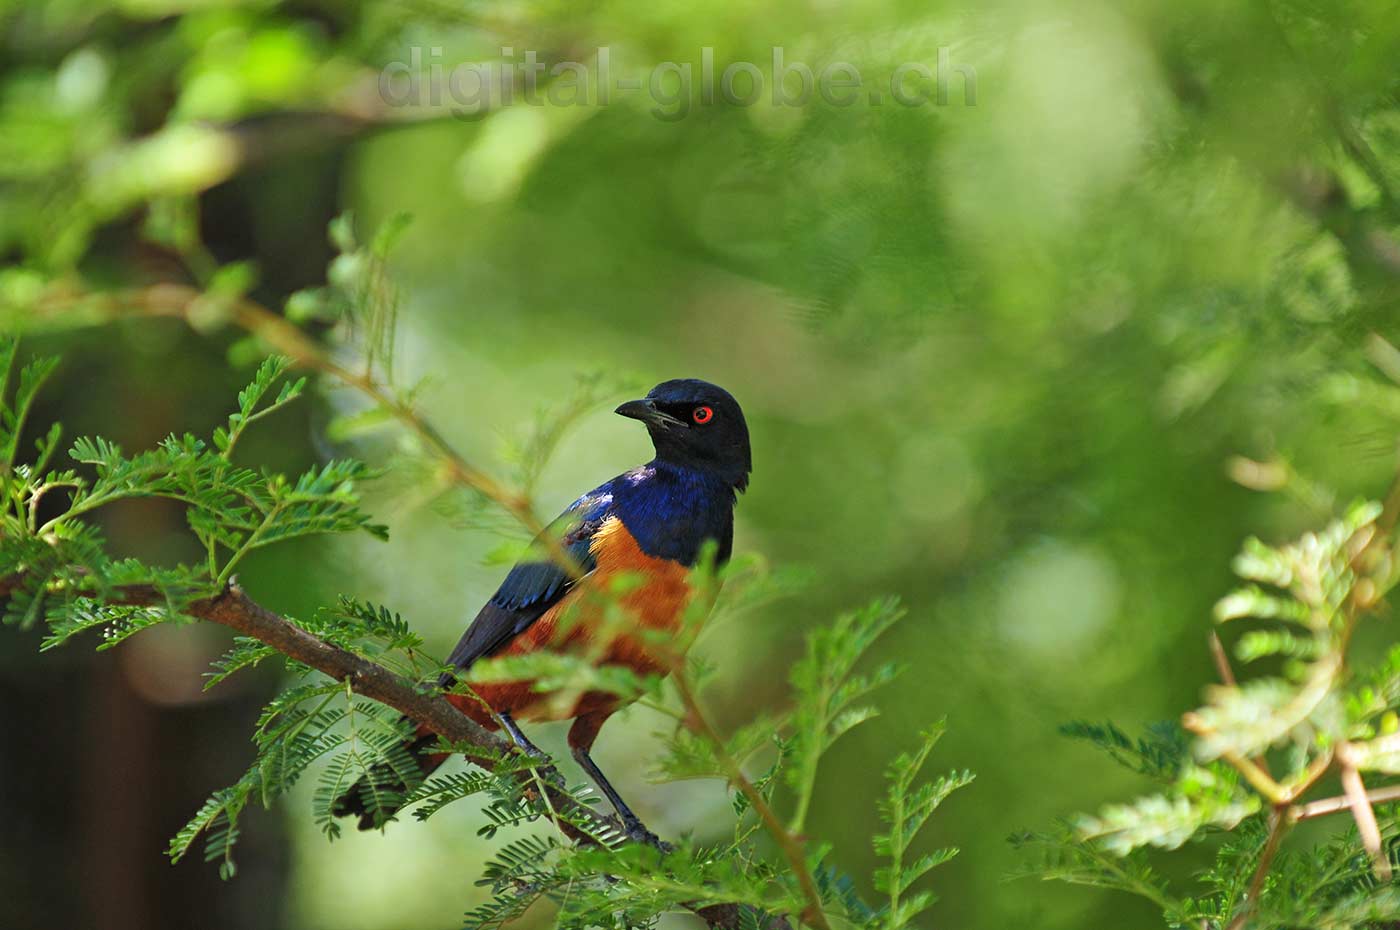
(672, 509)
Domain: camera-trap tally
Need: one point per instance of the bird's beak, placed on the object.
(646, 411)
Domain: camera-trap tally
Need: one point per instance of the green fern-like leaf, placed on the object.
(1159, 754)
(1201, 797)
(436, 793)
(268, 373)
(830, 692)
(905, 810)
(246, 653)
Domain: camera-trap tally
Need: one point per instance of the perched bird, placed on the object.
(649, 524)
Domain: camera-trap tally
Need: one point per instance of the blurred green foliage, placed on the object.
(995, 357)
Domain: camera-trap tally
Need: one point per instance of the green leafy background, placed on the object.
(996, 359)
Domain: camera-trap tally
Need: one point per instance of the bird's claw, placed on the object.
(637, 832)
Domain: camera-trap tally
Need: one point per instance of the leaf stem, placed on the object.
(1341, 802)
(177, 300)
(1354, 790)
(790, 845)
(1222, 661)
(1279, 823)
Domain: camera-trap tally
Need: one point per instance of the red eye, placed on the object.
(702, 415)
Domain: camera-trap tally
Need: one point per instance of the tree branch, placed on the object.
(183, 302)
(233, 608)
(1360, 804)
(1341, 802)
(787, 842)
(1222, 661)
(1279, 823)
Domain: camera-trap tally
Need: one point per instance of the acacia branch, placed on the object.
(1286, 808)
(1279, 822)
(1342, 802)
(791, 845)
(1354, 789)
(1222, 661)
(183, 302)
(233, 608)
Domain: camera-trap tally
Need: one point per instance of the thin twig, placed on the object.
(180, 301)
(1295, 788)
(1258, 777)
(1341, 802)
(1222, 661)
(1355, 791)
(789, 844)
(1278, 826)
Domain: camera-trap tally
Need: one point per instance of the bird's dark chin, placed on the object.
(671, 431)
(677, 453)
(671, 447)
(670, 441)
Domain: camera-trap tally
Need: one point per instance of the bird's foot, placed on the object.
(637, 832)
(545, 767)
(540, 763)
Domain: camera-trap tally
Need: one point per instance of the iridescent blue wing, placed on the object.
(533, 587)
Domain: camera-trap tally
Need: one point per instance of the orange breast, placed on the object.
(627, 612)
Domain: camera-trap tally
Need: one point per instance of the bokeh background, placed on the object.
(996, 353)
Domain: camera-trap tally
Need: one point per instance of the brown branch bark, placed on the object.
(1341, 802)
(1222, 661)
(233, 608)
(1279, 823)
(1355, 790)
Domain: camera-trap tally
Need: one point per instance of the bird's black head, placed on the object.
(697, 424)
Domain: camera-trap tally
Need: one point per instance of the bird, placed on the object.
(649, 525)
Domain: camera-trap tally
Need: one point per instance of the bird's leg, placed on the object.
(519, 738)
(581, 736)
(530, 749)
(631, 824)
